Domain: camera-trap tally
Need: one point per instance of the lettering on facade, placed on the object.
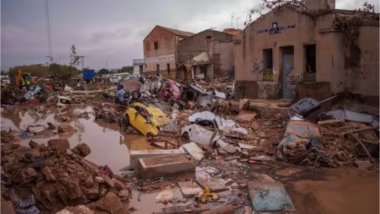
(160, 58)
(276, 30)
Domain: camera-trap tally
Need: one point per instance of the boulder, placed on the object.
(59, 144)
(65, 128)
(83, 149)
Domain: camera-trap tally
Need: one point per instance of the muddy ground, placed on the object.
(342, 190)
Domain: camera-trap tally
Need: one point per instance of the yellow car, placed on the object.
(145, 119)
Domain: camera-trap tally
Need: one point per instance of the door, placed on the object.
(288, 75)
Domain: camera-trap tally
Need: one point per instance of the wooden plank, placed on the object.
(361, 130)
(331, 122)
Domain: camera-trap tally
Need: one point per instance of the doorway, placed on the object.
(289, 79)
(141, 69)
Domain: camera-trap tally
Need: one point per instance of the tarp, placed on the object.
(354, 116)
(131, 84)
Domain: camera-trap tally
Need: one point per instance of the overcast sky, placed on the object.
(109, 30)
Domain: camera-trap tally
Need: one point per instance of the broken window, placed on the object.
(155, 45)
(268, 65)
(268, 58)
(310, 58)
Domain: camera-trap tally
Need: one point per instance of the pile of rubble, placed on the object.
(46, 179)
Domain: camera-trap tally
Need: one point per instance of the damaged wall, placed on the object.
(357, 73)
(217, 44)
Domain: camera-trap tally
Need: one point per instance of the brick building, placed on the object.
(291, 50)
(208, 54)
(160, 50)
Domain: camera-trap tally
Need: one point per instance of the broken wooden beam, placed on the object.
(360, 130)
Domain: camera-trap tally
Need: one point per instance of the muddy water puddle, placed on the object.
(108, 145)
(343, 191)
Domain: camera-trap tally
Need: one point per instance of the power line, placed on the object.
(50, 52)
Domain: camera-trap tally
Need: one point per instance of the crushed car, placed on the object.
(146, 119)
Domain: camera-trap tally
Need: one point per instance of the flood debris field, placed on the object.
(153, 145)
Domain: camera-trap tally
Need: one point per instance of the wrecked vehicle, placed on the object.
(128, 91)
(145, 119)
(205, 132)
(226, 126)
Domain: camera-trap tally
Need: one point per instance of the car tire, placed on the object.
(136, 95)
(149, 134)
(185, 137)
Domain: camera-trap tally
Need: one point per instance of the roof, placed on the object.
(177, 32)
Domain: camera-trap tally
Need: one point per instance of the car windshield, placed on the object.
(205, 123)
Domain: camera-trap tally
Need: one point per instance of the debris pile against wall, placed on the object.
(46, 179)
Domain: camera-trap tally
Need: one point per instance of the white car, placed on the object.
(114, 79)
(205, 132)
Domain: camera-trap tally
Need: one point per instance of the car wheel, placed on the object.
(149, 135)
(185, 137)
(136, 95)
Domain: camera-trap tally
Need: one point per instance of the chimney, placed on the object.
(320, 4)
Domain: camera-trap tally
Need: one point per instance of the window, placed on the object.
(168, 67)
(155, 45)
(274, 25)
(158, 67)
(208, 38)
(310, 58)
(268, 58)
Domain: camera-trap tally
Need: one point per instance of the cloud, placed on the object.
(112, 31)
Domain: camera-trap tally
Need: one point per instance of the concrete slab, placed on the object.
(154, 167)
(189, 188)
(136, 155)
(212, 183)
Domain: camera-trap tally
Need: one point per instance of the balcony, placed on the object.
(138, 61)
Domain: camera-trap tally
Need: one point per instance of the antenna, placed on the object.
(232, 20)
(50, 52)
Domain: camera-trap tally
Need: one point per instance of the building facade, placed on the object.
(205, 55)
(160, 50)
(291, 50)
(138, 66)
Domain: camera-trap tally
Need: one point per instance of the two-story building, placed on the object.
(206, 55)
(161, 50)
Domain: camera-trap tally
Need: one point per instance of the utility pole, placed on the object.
(107, 64)
(237, 26)
(48, 30)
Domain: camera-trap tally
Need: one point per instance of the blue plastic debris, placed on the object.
(31, 210)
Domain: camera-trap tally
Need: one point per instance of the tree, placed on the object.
(3, 72)
(34, 70)
(103, 71)
(74, 59)
(128, 69)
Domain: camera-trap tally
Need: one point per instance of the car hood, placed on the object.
(159, 118)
